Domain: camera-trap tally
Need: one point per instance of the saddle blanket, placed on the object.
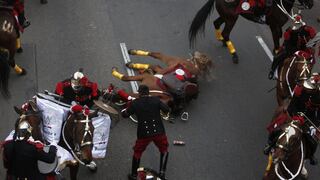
(54, 115)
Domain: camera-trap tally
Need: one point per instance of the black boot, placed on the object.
(134, 167)
(163, 165)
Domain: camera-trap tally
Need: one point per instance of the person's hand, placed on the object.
(53, 149)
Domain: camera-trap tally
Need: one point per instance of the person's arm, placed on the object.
(128, 111)
(47, 157)
(95, 93)
(297, 102)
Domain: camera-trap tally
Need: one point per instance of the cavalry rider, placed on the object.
(18, 8)
(305, 107)
(295, 39)
(150, 128)
(20, 156)
(78, 89)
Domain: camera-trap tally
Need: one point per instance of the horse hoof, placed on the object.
(114, 69)
(92, 167)
(129, 64)
(43, 1)
(132, 52)
(235, 59)
(19, 50)
(24, 72)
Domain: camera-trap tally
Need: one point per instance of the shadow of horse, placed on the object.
(77, 138)
(8, 38)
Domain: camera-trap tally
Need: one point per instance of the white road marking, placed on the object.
(265, 47)
(126, 58)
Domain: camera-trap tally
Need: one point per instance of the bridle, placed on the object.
(302, 76)
(286, 149)
(87, 132)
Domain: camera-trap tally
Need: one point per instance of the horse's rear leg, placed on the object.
(168, 60)
(217, 23)
(226, 33)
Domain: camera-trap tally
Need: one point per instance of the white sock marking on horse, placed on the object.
(126, 58)
(265, 47)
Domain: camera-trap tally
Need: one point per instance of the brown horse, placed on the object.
(77, 138)
(228, 15)
(198, 65)
(295, 69)
(8, 37)
(287, 159)
(149, 80)
(33, 116)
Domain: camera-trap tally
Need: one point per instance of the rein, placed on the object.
(293, 176)
(87, 131)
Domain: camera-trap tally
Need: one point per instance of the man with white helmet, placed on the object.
(78, 89)
(21, 155)
(295, 39)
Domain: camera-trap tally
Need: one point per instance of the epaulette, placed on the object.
(39, 145)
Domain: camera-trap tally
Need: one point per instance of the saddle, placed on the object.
(254, 9)
(179, 88)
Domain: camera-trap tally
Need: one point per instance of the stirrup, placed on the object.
(271, 75)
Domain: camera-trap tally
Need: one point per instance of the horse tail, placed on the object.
(4, 72)
(199, 21)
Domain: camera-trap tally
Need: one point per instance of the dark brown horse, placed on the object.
(33, 116)
(228, 15)
(8, 37)
(77, 138)
(198, 64)
(287, 159)
(295, 69)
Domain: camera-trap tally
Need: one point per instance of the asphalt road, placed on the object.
(226, 131)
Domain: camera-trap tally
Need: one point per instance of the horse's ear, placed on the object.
(33, 106)
(18, 110)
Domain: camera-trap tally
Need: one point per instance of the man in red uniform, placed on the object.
(150, 128)
(295, 38)
(78, 89)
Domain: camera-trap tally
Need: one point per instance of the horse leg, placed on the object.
(217, 23)
(123, 77)
(226, 33)
(74, 172)
(276, 35)
(19, 70)
(18, 43)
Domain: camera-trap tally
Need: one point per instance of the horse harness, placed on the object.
(77, 148)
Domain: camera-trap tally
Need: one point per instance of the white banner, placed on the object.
(100, 135)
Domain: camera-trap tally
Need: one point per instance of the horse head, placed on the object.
(78, 133)
(29, 112)
(288, 142)
(202, 62)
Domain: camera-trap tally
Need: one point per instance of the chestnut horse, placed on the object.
(295, 69)
(8, 37)
(198, 64)
(287, 159)
(228, 15)
(77, 138)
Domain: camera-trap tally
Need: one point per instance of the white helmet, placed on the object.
(75, 81)
(24, 130)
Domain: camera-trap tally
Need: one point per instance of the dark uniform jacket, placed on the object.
(147, 109)
(20, 159)
(306, 101)
(85, 96)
